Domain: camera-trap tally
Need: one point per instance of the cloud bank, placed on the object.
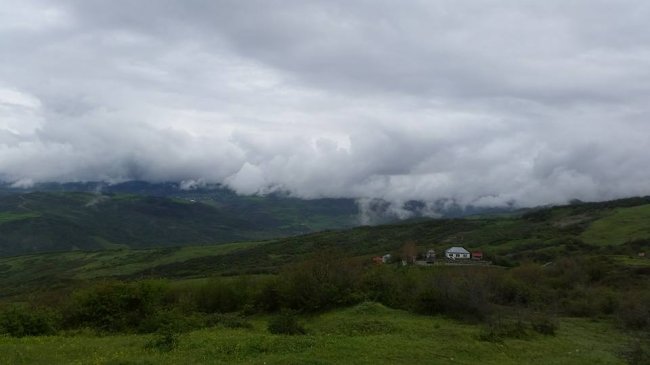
(483, 102)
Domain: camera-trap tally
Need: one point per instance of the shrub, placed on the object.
(114, 306)
(228, 321)
(462, 294)
(636, 353)
(267, 299)
(499, 330)
(19, 321)
(171, 320)
(544, 324)
(634, 312)
(365, 327)
(163, 341)
(220, 295)
(323, 282)
(286, 323)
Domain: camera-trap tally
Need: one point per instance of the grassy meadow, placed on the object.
(623, 225)
(368, 333)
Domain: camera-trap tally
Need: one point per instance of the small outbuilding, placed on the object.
(477, 255)
(457, 253)
(431, 256)
(387, 258)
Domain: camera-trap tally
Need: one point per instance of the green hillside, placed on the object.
(541, 235)
(45, 222)
(622, 225)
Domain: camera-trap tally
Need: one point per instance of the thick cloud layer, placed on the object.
(484, 102)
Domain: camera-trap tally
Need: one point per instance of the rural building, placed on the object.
(378, 260)
(387, 258)
(477, 255)
(457, 253)
(431, 256)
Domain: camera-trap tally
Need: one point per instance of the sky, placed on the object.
(487, 103)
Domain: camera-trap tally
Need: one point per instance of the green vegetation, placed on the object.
(65, 221)
(540, 236)
(6, 217)
(623, 225)
(333, 301)
(397, 337)
(549, 297)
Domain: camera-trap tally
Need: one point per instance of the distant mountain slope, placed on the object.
(542, 235)
(278, 204)
(95, 216)
(45, 221)
(136, 214)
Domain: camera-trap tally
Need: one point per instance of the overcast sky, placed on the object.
(485, 102)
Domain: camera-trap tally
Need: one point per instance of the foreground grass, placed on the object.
(366, 334)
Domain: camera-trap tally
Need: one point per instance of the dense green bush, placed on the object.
(325, 281)
(634, 311)
(115, 306)
(570, 286)
(221, 296)
(20, 321)
(267, 298)
(286, 323)
(163, 341)
(498, 329)
(228, 321)
(637, 352)
(172, 320)
(544, 324)
(388, 286)
(462, 293)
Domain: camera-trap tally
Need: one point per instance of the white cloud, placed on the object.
(483, 102)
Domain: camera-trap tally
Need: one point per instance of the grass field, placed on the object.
(365, 334)
(624, 224)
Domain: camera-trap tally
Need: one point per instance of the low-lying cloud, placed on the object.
(485, 103)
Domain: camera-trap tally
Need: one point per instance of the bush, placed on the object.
(636, 353)
(634, 312)
(544, 325)
(171, 320)
(365, 327)
(462, 294)
(19, 321)
(323, 282)
(286, 323)
(221, 295)
(499, 330)
(163, 341)
(114, 306)
(228, 321)
(267, 299)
